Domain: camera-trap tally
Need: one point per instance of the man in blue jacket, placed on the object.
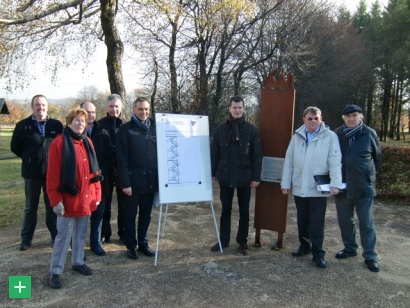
(360, 157)
(30, 141)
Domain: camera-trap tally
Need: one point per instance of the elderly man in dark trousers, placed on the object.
(30, 141)
(236, 159)
(360, 157)
(111, 123)
(136, 149)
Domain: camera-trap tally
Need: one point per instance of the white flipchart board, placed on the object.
(184, 161)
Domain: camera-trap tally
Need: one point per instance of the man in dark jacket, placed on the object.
(360, 157)
(30, 141)
(138, 175)
(111, 123)
(104, 150)
(236, 160)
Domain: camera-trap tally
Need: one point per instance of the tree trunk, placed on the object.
(115, 47)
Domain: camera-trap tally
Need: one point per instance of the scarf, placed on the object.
(68, 169)
(145, 126)
(351, 133)
(234, 136)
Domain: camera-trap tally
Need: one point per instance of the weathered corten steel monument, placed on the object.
(275, 131)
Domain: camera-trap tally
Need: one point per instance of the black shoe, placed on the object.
(320, 262)
(244, 249)
(82, 269)
(216, 246)
(344, 254)
(24, 246)
(54, 281)
(132, 253)
(372, 265)
(300, 252)
(146, 250)
(98, 250)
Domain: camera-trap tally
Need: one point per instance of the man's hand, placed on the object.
(285, 191)
(334, 191)
(254, 184)
(59, 209)
(127, 191)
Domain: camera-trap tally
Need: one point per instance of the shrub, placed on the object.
(393, 175)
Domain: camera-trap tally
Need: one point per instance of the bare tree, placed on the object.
(65, 34)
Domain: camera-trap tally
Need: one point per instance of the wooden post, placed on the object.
(275, 131)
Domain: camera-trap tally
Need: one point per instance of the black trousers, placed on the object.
(244, 197)
(311, 213)
(141, 203)
(106, 230)
(32, 189)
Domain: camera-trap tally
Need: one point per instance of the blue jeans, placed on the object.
(345, 216)
(96, 224)
(244, 197)
(32, 189)
(310, 213)
(144, 203)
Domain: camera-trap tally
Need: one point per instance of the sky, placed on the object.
(70, 81)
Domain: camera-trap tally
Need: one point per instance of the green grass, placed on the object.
(10, 171)
(12, 205)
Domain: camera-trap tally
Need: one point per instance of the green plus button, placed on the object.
(19, 286)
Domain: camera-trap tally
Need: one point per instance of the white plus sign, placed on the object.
(19, 287)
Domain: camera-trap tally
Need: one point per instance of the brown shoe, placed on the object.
(244, 249)
(216, 246)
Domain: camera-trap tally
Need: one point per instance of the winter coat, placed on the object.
(136, 152)
(89, 193)
(359, 162)
(27, 144)
(105, 152)
(236, 164)
(111, 125)
(322, 156)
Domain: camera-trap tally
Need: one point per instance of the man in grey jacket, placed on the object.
(360, 157)
(313, 150)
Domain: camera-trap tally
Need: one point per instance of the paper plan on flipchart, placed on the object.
(182, 151)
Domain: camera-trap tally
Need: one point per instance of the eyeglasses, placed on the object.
(78, 121)
(311, 119)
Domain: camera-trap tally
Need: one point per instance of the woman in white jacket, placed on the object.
(313, 150)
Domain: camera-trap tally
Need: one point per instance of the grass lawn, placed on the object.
(12, 205)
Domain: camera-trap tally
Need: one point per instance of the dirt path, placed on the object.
(190, 275)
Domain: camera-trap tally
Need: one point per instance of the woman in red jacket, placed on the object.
(73, 186)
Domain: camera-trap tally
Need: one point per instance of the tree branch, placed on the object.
(41, 15)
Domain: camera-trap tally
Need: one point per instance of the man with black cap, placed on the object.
(360, 157)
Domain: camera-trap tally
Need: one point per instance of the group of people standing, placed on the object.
(78, 165)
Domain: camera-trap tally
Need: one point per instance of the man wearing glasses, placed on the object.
(313, 150)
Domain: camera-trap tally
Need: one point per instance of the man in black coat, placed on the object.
(104, 150)
(111, 123)
(30, 141)
(138, 175)
(361, 155)
(236, 160)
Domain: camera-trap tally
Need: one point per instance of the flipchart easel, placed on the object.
(184, 164)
